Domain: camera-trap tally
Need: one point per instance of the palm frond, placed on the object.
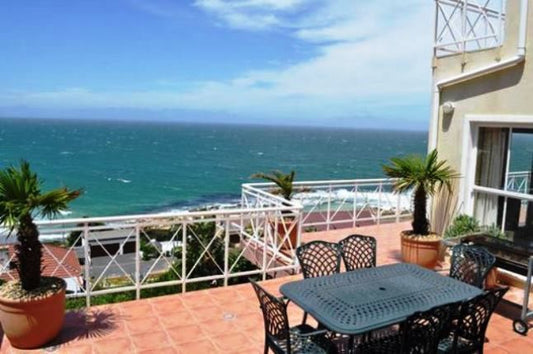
(423, 175)
(282, 180)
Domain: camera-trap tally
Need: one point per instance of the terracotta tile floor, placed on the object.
(223, 320)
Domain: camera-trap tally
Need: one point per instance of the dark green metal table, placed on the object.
(367, 299)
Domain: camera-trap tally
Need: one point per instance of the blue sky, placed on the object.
(321, 62)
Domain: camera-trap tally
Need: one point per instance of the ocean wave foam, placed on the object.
(386, 200)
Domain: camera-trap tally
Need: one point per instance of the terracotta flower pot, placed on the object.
(290, 226)
(491, 281)
(422, 251)
(30, 323)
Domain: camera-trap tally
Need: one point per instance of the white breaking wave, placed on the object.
(385, 200)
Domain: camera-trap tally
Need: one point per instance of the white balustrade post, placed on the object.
(398, 206)
(137, 262)
(266, 230)
(226, 252)
(380, 187)
(86, 255)
(354, 223)
(464, 23)
(329, 208)
(184, 258)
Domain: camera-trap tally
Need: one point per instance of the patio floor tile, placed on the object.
(215, 328)
(186, 333)
(113, 345)
(176, 319)
(163, 350)
(234, 341)
(199, 346)
(143, 325)
(150, 340)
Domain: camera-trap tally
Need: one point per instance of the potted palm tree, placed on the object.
(284, 183)
(424, 176)
(32, 307)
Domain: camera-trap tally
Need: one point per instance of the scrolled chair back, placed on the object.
(319, 258)
(471, 264)
(358, 251)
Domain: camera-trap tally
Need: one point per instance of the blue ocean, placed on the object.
(137, 167)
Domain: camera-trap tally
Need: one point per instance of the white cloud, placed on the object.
(249, 14)
(372, 56)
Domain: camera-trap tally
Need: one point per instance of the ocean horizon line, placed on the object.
(160, 121)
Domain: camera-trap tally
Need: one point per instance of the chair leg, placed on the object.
(304, 320)
(351, 344)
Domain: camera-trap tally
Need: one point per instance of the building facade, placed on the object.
(482, 121)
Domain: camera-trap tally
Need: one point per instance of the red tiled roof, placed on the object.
(57, 261)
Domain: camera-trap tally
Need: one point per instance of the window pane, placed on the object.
(491, 210)
(521, 161)
(492, 157)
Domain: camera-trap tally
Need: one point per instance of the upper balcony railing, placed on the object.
(468, 25)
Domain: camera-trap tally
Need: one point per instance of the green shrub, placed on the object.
(463, 224)
(495, 231)
(149, 251)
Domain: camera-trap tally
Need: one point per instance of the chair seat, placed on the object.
(463, 345)
(304, 345)
(381, 345)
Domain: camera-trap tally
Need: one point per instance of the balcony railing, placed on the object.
(330, 205)
(519, 181)
(228, 244)
(468, 25)
(138, 255)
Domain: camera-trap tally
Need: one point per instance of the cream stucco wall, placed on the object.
(507, 92)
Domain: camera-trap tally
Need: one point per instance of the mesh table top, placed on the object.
(365, 299)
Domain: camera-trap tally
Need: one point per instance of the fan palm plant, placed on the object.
(282, 180)
(426, 176)
(21, 199)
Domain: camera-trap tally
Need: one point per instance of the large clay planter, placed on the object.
(291, 226)
(425, 253)
(31, 323)
(491, 281)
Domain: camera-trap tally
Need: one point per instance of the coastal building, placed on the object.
(108, 242)
(482, 121)
(57, 262)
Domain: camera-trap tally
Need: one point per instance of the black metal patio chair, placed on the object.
(281, 338)
(318, 259)
(468, 331)
(418, 334)
(358, 251)
(471, 264)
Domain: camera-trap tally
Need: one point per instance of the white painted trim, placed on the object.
(472, 123)
(506, 194)
(522, 33)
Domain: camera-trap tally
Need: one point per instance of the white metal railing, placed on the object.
(518, 181)
(468, 25)
(260, 239)
(265, 229)
(336, 204)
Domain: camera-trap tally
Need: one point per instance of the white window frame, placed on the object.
(472, 123)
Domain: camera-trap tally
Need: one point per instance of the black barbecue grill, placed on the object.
(515, 256)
